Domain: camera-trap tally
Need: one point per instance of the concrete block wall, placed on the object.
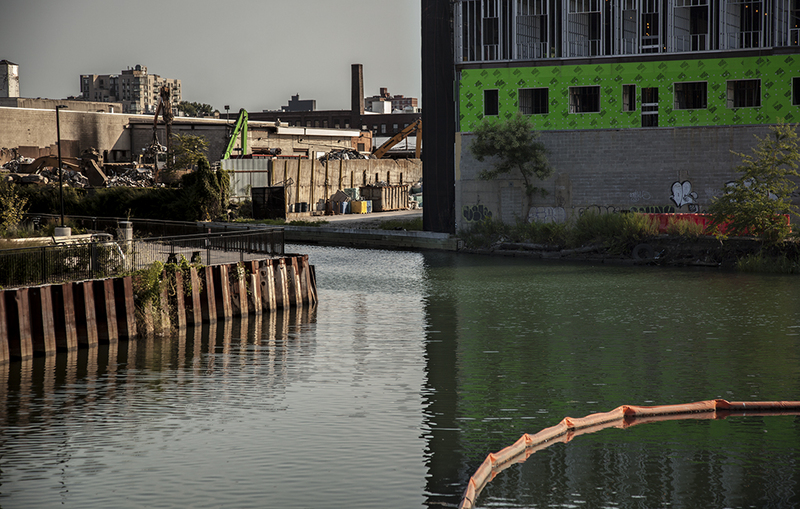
(21, 127)
(654, 170)
(315, 181)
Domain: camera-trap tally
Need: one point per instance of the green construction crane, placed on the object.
(241, 127)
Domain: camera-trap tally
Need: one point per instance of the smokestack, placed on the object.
(357, 96)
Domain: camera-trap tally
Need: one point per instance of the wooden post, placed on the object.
(223, 291)
(311, 190)
(267, 283)
(5, 356)
(341, 167)
(209, 300)
(43, 330)
(196, 315)
(85, 316)
(126, 310)
(106, 310)
(297, 184)
(64, 317)
(179, 299)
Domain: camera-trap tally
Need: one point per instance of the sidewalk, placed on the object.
(366, 221)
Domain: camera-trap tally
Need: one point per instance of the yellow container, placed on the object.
(358, 207)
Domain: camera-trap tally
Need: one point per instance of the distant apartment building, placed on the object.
(134, 88)
(9, 79)
(387, 103)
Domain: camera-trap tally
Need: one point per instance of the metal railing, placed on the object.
(101, 256)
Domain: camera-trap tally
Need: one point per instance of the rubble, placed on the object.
(345, 153)
(130, 176)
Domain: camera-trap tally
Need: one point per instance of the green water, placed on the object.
(412, 368)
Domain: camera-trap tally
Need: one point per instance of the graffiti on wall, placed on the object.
(654, 209)
(547, 215)
(475, 213)
(637, 196)
(682, 194)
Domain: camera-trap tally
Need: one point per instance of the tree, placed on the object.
(754, 202)
(515, 146)
(12, 208)
(193, 109)
(188, 149)
(206, 191)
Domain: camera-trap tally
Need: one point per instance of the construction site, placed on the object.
(289, 171)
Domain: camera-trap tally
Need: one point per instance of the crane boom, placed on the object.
(239, 128)
(397, 138)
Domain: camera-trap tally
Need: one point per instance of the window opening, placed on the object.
(743, 24)
(651, 41)
(628, 97)
(584, 28)
(584, 99)
(532, 29)
(650, 107)
(491, 102)
(744, 93)
(691, 25)
(533, 101)
(691, 95)
(796, 91)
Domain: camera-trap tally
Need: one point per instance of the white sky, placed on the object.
(252, 54)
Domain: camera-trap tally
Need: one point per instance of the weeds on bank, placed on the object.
(771, 265)
(617, 232)
(402, 224)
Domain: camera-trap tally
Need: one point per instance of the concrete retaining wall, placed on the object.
(313, 181)
(42, 320)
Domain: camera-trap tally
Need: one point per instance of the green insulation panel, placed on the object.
(775, 74)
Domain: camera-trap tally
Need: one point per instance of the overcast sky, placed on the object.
(252, 54)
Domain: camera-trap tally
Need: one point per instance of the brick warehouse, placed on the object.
(639, 102)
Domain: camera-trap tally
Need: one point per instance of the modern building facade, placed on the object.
(134, 88)
(632, 96)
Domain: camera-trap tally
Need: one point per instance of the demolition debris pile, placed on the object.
(345, 153)
(86, 171)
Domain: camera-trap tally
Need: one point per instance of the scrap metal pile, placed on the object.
(83, 172)
(345, 153)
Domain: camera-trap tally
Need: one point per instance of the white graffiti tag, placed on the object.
(682, 194)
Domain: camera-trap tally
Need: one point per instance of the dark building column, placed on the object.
(438, 117)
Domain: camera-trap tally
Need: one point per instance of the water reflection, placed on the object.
(411, 369)
(530, 343)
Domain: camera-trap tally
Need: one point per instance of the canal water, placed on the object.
(410, 370)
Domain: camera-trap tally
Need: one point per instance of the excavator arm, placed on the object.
(239, 128)
(397, 138)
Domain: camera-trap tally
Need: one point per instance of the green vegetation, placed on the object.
(614, 232)
(188, 150)
(194, 109)
(206, 192)
(780, 264)
(755, 202)
(402, 224)
(512, 144)
(203, 195)
(12, 208)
